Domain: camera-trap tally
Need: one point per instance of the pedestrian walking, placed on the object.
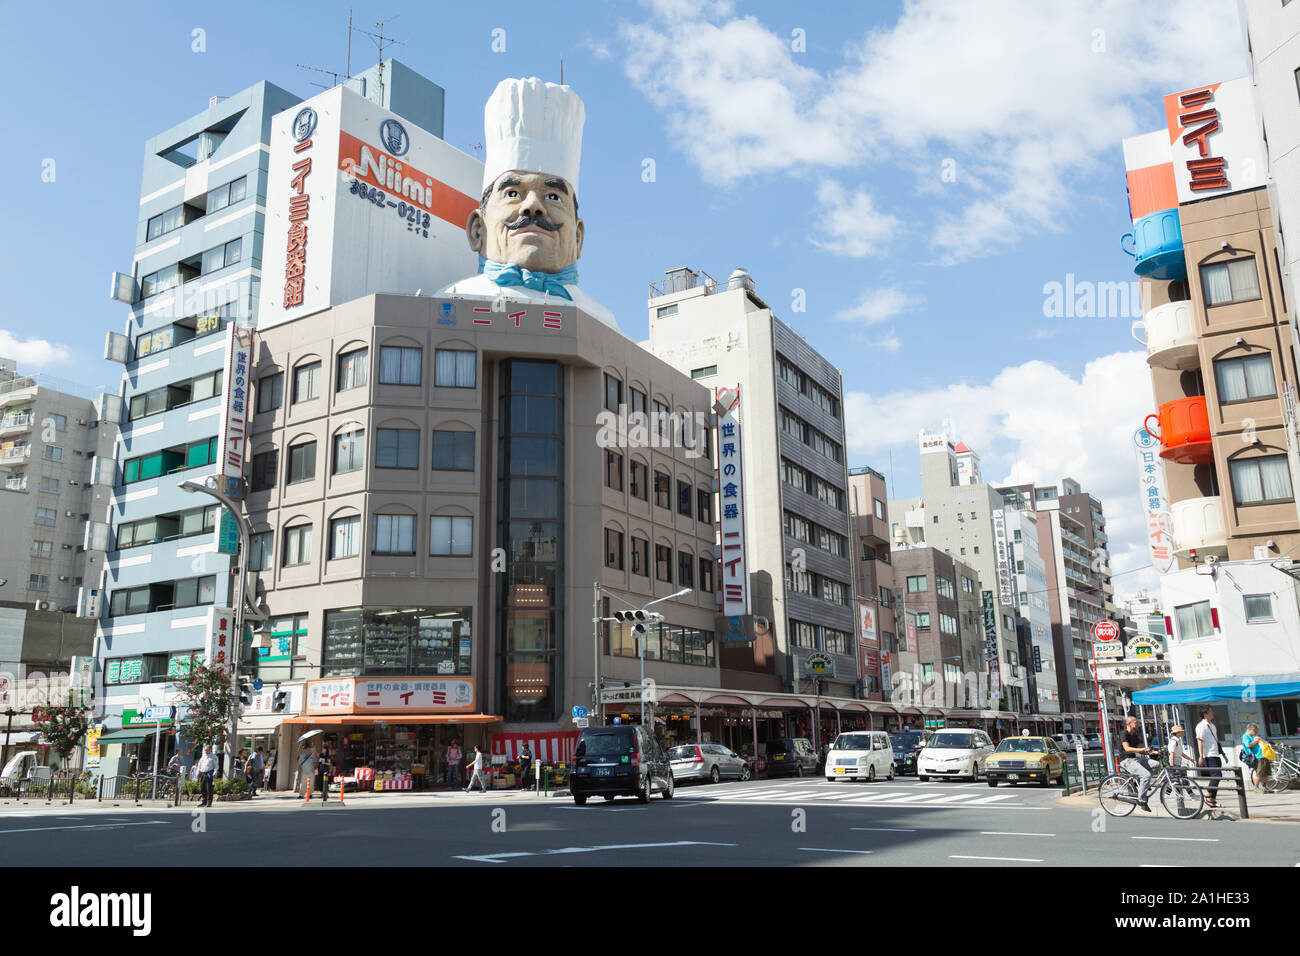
(324, 771)
(207, 767)
(454, 757)
(306, 768)
(1259, 754)
(478, 772)
(1179, 756)
(253, 770)
(269, 770)
(526, 779)
(1208, 753)
(174, 765)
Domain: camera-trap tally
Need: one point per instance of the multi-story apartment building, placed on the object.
(940, 591)
(1027, 574)
(1219, 342)
(49, 439)
(798, 544)
(873, 582)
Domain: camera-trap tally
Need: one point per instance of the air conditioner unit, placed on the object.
(81, 421)
(67, 514)
(63, 577)
(42, 605)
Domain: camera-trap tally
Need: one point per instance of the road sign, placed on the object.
(818, 665)
(257, 683)
(581, 721)
(627, 695)
(1105, 631)
(158, 713)
(579, 712)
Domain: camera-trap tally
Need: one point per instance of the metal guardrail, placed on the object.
(1230, 779)
(553, 777)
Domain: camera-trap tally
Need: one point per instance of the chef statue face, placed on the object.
(528, 220)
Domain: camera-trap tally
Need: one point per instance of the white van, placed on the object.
(954, 752)
(861, 755)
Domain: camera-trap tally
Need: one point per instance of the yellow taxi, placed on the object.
(1025, 759)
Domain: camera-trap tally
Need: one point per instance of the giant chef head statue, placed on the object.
(526, 230)
(529, 213)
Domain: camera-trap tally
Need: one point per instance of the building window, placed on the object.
(1228, 282)
(261, 550)
(613, 470)
(837, 642)
(169, 460)
(663, 490)
(706, 575)
(663, 563)
(193, 592)
(614, 549)
(266, 468)
(349, 452)
(637, 485)
(1245, 379)
(1260, 481)
(923, 620)
(60, 422)
(613, 393)
(917, 583)
(661, 417)
(227, 194)
(224, 255)
(684, 490)
(306, 382)
(704, 372)
(52, 453)
(641, 557)
(453, 451)
(454, 368)
(396, 641)
(400, 365)
(50, 485)
(302, 462)
(1259, 607)
(397, 448)
(685, 569)
(164, 223)
(297, 546)
(38, 582)
(270, 392)
(879, 508)
(352, 369)
(1194, 621)
(42, 549)
(158, 282)
(393, 534)
(666, 310)
(451, 535)
(704, 506)
(803, 635)
(886, 597)
(946, 588)
(345, 537)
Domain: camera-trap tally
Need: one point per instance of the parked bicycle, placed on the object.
(1181, 797)
(1284, 770)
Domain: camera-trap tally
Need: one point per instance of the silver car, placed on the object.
(711, 762)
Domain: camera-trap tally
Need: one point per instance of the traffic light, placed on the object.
(638, 619)
(246, 693)
(281, 702)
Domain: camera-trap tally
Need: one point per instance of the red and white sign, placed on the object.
(1214, 139)
(220, 645)
(554, 747)
(866, 622)
(1105, 631)
(731, 505)
(232, 449)
(412, 695)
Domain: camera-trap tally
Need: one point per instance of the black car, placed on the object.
(791, 757)
(621, 761)
(907, 744)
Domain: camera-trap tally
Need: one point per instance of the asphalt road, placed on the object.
(808, 822)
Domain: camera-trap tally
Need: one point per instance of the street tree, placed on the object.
(62, 727)
(209, 698)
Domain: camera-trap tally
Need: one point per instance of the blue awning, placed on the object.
(1207, 691)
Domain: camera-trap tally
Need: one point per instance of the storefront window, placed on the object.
(286, 633)
(379, 641)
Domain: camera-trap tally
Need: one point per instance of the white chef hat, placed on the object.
(535, 127)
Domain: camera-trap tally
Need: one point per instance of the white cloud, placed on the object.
(1024, 98)
(1032, 423)
(879, 305)
(32, 352)
(888, 342)
(850, 224)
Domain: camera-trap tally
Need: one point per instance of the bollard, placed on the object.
(309, 790)
(341, 784)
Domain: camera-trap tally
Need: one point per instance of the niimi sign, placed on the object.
(731, 504)
(232, 450)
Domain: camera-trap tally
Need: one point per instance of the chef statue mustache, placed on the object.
(526, 229)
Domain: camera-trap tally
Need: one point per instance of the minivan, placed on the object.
(954, 752)
(791, 756)
(861, 755)
(619, 761)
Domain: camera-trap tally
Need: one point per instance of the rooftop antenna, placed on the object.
(332, 74)
(561, 71)
(381, 41)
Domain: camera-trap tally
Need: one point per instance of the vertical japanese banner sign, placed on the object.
(1155, 500)
(220, 642)
(234, 407)
(731, 502)
(991, 643)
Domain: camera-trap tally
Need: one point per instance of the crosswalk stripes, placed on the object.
(849, 795)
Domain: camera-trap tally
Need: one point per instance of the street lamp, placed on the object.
(242, 606)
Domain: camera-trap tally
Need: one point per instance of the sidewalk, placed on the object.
(1263, 807)
(284, 800)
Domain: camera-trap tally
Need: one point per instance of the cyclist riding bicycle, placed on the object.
(1137, 760)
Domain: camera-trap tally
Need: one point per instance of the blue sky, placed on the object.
(920, 170)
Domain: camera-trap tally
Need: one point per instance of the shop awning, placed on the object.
(334, 720)
(131, 735)
(727, 700)
(260, 723)
(1204, 691)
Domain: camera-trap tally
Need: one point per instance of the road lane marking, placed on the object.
(500, 857)
(1010, 833)
(84, 826)
(1004, 859)
(896, 830)
(1180, 839)
(822, 849)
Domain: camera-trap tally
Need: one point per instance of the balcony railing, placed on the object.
(16, 421)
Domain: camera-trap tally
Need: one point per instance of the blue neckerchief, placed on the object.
(552, 283)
